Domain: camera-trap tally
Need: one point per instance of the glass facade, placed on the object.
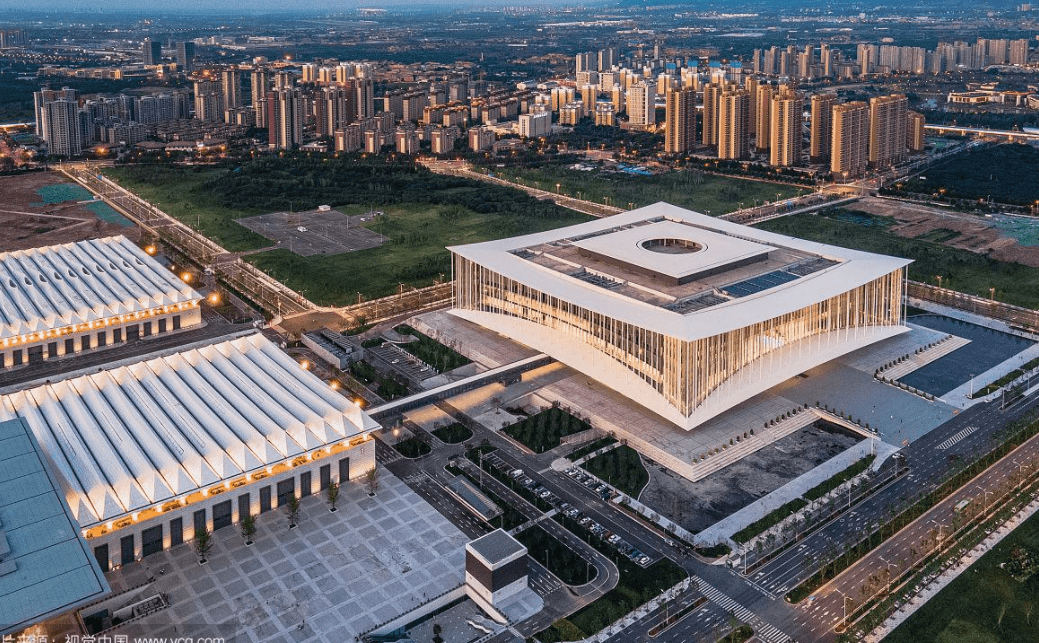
(683, 372)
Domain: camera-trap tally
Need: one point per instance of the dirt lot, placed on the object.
(955, 229)
(27, 222)
(698, 505)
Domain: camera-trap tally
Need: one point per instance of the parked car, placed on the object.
(584, 520)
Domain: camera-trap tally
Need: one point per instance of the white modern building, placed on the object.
(685, 314)
(152, 451)
(64, 299)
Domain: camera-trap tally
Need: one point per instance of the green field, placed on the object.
(176, 191)
(985, 604)
(1002, 173)
(424, 212)
(961, 270)
(686, 188)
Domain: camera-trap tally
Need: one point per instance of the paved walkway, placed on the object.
(332, 578)
(960, 396)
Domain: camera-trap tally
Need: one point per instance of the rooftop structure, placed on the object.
(175, 428)
(45, 566)
(66, 298)
(685, 314)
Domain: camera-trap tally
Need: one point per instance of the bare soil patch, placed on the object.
(27, 222)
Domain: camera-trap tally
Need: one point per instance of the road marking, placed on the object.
(957, 437)
(765, 631)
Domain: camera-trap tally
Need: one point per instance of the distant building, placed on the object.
(442, 139)
(186, 56)
(641, 101)
(711, 98)
(62, 127)
(680, 121)
(209, 100)
(733, 124)
(152, 50)
(763, 115)
(481, 138)
(849, 149)
(349, 139)
(43, 97)
(822, 126)
(535, 124)
(787, 125)
(915, 132)
(605, 115)
(406, 141)
(285, 110)
(12, 38)
(887, 130)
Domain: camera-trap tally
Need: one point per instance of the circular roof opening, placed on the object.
(672, 246)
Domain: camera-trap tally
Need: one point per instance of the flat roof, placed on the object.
(46, 567)
(496, 547)
(152, 431)
(77, 283)
(707, 250)
(810, 272)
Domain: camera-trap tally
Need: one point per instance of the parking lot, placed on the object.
(561, 506)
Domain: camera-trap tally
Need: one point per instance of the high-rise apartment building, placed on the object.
(1019, 52)
(185, 56)
(711, 97)
(12, 38)
(285, 109)
(641, 101)
(822, 127)
(586, 61)
(334, 109)
(849, 150)
(61, 124)
(733, 124)
(43, 97)
(915, 131)
(887, 130)
(231, 87)
(786, 125)
(209, 100)
(680, 121)
(763, 115)
(152, 51)
(607, 58)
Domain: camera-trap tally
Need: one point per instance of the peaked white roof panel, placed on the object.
(141, 434)
(74, 283)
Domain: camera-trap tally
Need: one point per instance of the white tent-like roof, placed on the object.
(78, 283)
(853, 268)
(145, 433)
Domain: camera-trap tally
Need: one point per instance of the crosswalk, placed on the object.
(957, 437)
(763, 630)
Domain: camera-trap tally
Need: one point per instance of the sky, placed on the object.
(251, 7)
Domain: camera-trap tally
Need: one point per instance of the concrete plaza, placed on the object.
(332, 578)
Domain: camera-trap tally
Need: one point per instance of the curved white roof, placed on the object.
(854, 268)
(76, 283)
(128, 438)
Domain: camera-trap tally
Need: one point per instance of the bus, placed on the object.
(961, 505)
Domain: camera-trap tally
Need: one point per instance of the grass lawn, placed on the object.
(699, 192)
(556, 557)
(542, 431)
(424, 212)
(621, 467)
(453, 433)
(173, 190)
(985, 604)
(415, 254)
(960, 269)
(1004, 173)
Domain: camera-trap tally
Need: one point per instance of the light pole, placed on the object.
(844, 607)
